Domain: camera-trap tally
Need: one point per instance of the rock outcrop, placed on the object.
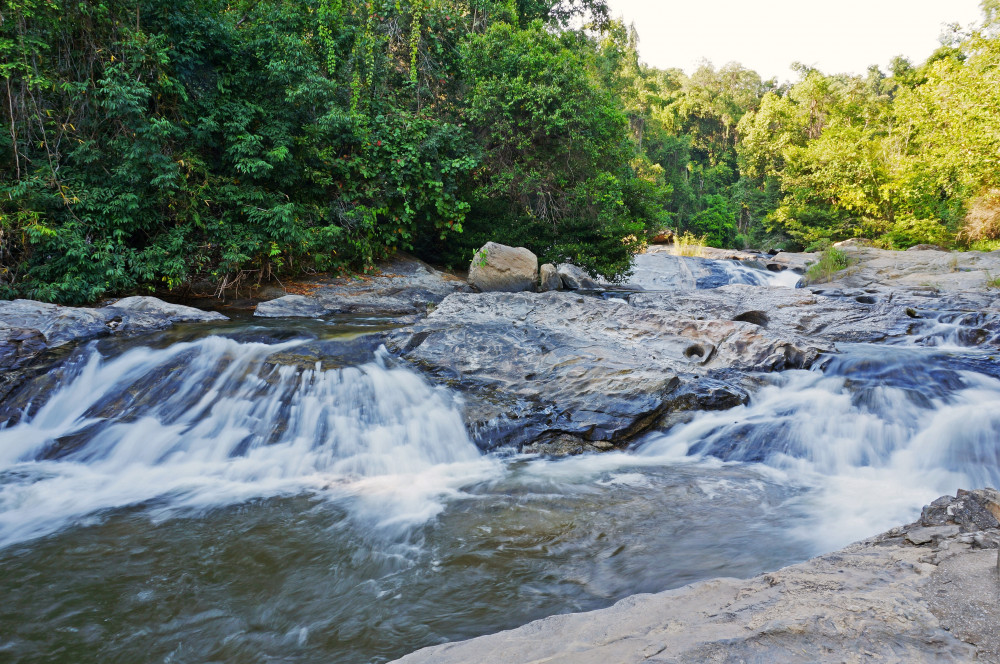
(540, 366)
(403, 286)
(499, 268)
(28, 329)
(918, 593)
(788, 311)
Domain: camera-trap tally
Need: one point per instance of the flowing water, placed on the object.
(242, 493)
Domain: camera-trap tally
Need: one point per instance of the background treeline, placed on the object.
(164, 142)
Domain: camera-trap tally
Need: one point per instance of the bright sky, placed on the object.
(769, 35)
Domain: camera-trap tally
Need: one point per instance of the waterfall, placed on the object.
(217, 421)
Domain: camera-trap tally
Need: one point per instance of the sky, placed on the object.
(838, 36)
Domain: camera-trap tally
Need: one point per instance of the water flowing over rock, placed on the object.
(403, 286)
(660, 270)
(497, 267)
(537, 366)
(29, 328)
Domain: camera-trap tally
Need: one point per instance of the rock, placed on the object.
(18, 346)
(576, 278)
(972, 511)
(785, 310)
(499, 268)
(549, 278)
(291, 306)
(534, 366)
(924, 535)
(665, 236)
(926, 247)
(30, 329)
(403, 286)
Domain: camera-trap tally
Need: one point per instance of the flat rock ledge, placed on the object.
(28, 329)
(926, 592)
(403, 286)
(583, 372)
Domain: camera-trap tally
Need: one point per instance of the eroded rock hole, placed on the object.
(755, 317)
(694, 351)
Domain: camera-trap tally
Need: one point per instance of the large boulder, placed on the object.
(576, 278)
(540, 366)
(499, 268)
(403, 286)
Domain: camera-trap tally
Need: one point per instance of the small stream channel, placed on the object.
(287, 492)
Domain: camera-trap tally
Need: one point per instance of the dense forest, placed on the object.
(153, 144)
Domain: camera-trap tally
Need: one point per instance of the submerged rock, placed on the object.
(403, 286)
(538, 366)
(497, 267)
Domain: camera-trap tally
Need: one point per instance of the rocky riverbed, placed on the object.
(413, 434)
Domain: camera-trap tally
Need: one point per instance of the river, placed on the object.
(214, 493)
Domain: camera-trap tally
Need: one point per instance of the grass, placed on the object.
(991, 281)
(831, 261)
(688, 244)
(984, 245)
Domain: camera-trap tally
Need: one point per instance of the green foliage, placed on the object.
(155, 143)
(159, 142)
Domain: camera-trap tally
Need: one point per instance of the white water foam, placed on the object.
(219, 426)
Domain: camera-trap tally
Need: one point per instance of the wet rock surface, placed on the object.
(30, 330)
(917, 593)
(536, 366)
(403, 286)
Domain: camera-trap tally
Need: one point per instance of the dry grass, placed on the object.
(982, 222)
(688, 244)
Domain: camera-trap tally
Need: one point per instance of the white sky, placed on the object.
(769, 35)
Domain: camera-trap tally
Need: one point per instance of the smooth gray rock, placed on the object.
(536, 366)
(786, 311)
(291, 306)
(576, 278)
(549, 279)
(403, 286)
(499, 268)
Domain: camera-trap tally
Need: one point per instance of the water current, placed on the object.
(243, 493)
